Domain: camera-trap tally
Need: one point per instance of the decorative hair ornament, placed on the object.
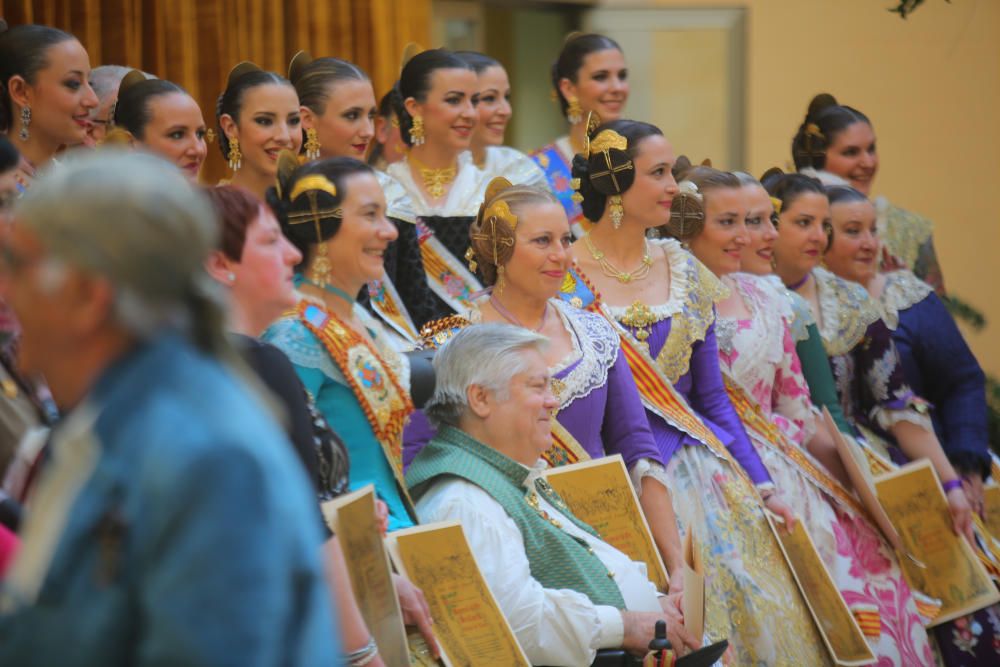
(241, 69)
(297, 64)
(687, 212)
(610, 169)
(210, 136)
(777, 205)
(813, 145)
(410, 50)
(311, 187)
(492, 233)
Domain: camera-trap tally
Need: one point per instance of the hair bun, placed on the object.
(133, 78)
(297, 65)
(820, 102)
(771, 176)
(241, 69)
(682, 165)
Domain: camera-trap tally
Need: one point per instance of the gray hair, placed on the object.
(488, 355)
(746, 180)
(105, 80)
(134, 219)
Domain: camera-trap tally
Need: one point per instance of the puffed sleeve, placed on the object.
(819, 377)
(952, 378)
(626, 429)
(709, 398)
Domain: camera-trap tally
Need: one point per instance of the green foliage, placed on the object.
(905, 7)
(960, 310)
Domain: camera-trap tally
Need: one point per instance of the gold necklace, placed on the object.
(609, 269)
(435, 180)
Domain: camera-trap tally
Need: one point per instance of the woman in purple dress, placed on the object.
(661, 301)
(520, 246)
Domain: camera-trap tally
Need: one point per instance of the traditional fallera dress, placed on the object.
(402, 299)
(758, 354)
(714, 472)
(443, 233)
(556, 160)
(871, 384)
(942, 369)
(361, 390)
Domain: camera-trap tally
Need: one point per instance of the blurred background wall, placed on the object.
(726, 79)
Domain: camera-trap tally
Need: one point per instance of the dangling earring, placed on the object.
(25, 122)
(574, 114)
(312, 144)
(321, 266)
(500, 280)
(235, 156)
(617, 211)
(417, 131)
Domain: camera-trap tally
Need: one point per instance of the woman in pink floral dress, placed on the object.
(757, 354)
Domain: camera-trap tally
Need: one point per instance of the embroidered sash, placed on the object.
(657, 392)
(385, 403)
(559, 175)
(757, 424)
(388, 305)
(446, 275)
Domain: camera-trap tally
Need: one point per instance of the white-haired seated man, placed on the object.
(565, 592)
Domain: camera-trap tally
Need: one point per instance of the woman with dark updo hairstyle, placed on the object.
(836, 143)
(333, 211)
(45, 95)
(162, 118)
(434, 103)
(338, 108)
(588, 75)
(258, 117)
(661, 301)
(764, 377)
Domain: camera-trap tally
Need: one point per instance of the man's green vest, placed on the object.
(557, 560)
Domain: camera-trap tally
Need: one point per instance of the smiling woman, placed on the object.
(45, 96)
(333, 211)
(162, 118)
(258, 115)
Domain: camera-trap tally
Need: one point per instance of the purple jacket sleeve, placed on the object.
(625, 429)
(709, 399)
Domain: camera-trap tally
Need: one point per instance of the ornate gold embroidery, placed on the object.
(902, 232)
(846, 312)
(902, 290)
(691, 324)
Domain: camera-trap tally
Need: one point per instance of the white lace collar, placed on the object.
(682, 268)
(902, 290)
(464, 197)
(595, 347)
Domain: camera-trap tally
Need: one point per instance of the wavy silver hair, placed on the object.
(488, 355)
(134, 219)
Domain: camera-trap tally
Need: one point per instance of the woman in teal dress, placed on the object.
(588, 75)
(334, 211)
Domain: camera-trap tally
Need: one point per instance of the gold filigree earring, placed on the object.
(312, 144)
(574, 114)
(417, 131)
(235, 156)
(321, 267)
(617, 211)
(500, 279)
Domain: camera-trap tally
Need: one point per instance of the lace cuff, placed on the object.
(913, 410)
(648, 468)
